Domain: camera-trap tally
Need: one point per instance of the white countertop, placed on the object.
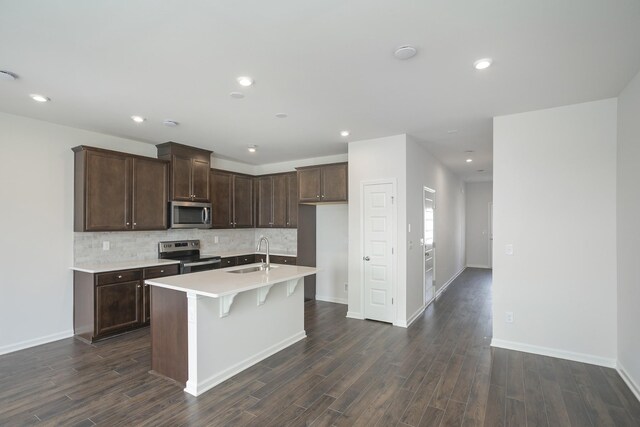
(122, 265)
(225, 254)
(219, 283)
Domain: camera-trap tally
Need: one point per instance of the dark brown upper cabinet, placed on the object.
(274, 206)
(231, 200)
(118, 192)
(189, 171)
(323, 183)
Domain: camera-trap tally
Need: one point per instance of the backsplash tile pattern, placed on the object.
(141, 245)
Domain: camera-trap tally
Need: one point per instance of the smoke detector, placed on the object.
(405, 52)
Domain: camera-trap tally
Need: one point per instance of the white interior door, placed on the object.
(377, 251)
(429, 246)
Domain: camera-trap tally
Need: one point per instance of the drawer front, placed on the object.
(278, 259)
(246, 259)
(228, 262)
(160, 271)
(118, 277)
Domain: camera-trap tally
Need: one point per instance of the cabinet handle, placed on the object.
(139, 286)
(161, 271)
(119, 276)
(323, 196)
(317, 196)
(127, 223)
(135, 223)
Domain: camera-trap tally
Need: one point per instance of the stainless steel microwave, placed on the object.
(189, 215)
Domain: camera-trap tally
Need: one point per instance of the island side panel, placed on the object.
(249, 334)
(169, 334)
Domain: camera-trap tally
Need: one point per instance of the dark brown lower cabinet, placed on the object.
(251, 258)
(110, 303)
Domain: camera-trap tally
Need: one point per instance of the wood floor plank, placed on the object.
(439, 371)
(496, 407)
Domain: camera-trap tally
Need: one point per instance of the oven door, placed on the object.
(195, 266)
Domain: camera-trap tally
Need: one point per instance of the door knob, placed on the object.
(366, 258)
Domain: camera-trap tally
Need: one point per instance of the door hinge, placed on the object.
(392, 197)
(433, 245)
(391, 251)
(391, 301)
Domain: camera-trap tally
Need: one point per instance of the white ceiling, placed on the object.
(328, 64)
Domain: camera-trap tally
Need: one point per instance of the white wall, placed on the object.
(629, 231)
(376, 159)
(36, 225)
(332, 251)
(425, 170)
(555, 201)
(478, 197)
(411, 166)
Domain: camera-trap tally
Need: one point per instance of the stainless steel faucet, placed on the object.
(268, 263)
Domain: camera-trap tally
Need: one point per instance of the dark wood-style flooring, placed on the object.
(439, 372)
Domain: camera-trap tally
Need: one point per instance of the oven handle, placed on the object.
(195, 264)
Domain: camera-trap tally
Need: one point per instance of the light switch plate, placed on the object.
(106, 245)
(508, 249)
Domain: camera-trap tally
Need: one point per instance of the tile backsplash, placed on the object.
(141, 245)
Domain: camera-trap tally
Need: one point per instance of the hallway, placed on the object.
(440, 371)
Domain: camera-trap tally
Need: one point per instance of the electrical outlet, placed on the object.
(106, 245)
(346, 287)
(216, 239)
(508, 317)
(508, 249)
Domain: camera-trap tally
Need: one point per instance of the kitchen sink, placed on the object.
(251, 269)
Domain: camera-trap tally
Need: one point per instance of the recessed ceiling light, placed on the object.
(252, 148)
(282, 115)
(39, 98)
(469, 160)
(405, 52)
(344, 133)
(236, 95)
(138, 119)
(245, 81)
(170, 123)
(483, 63)
(7, 75)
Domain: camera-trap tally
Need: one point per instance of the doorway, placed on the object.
(490, 227)
(428, 244)
(377, 260)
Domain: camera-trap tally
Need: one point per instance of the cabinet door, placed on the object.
(118, 307)
(279, 201)
(265, 202)
(292, 200)
(221, 196)
(309, 185)
(107, 192)
(149, 197)
(200, 180)
(181, 178)
(242, 201)
(246, 259)
(334, 183)
(146, 304)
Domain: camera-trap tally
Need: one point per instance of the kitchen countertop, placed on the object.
(225, 254)
(220, 283)
(122, 265)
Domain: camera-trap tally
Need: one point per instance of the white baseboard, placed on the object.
(355, 315)
(478, 266)
(411, 319)
(552, 352)
(331, 299)
(209, 383)
(35, 341)
(635, 388)
(444, 287)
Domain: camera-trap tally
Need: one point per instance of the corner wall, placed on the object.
(555, 202)
(628, 211)
(36, 223)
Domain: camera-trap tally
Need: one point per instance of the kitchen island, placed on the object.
(211, 325)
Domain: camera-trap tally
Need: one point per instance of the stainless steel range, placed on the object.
(188, 253)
